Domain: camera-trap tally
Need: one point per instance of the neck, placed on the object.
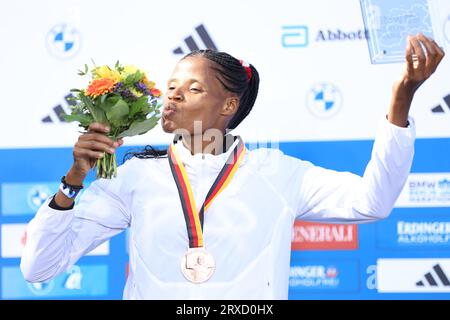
(212, 145)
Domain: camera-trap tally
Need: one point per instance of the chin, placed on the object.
(167, 126)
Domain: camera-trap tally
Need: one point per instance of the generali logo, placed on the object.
(321, 236)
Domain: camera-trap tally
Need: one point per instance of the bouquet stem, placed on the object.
(107, 166)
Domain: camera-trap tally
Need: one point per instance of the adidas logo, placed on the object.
(58, 111)
(193, 45)
(431, 278)
(439, 108)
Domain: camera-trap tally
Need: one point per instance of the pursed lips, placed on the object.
(169, 109)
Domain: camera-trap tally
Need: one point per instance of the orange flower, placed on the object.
(156, 92)
(100, 86)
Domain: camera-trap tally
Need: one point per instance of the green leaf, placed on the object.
(84, 119)
(138, 106)
(107, 102)
(83, 73)
(103, 99)
(139, 127)
(97, 113)
(117, 114)
(133, 78)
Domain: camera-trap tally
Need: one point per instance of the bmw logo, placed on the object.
(37, 196)
(41, 288)
(324, 100)
(63, 41)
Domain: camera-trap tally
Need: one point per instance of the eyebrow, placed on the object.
(192, 80)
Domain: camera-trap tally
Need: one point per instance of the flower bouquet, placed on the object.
(122, 98)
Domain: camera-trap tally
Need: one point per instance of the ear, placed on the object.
(230, 106)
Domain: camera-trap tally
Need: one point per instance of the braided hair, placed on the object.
(235, 76)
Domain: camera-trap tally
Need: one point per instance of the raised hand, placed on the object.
(423, 56)
(420, 64)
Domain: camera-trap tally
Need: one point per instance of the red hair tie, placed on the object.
(246, 65)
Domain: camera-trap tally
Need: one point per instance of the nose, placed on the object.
(175, 95)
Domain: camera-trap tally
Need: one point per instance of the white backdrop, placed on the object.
(35, 79)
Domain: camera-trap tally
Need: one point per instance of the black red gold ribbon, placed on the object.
(194, 218)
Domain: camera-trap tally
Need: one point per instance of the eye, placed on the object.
(171, 88)
(195, 89)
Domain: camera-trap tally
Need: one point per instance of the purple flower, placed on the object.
(127, 94)
(119, 87)
(140, 86)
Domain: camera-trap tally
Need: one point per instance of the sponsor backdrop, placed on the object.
(320, 99)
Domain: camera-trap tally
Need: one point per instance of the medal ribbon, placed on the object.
(194, 218)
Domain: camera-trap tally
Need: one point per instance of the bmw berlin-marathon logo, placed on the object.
(63, 41)
(324, 100)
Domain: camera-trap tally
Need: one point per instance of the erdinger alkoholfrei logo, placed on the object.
(63, 41)
(58, 112)
(324, 100)
(434, 278)
(443, 107)
(192, 44)
(314, 276)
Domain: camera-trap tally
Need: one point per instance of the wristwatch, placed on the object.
(69, 190)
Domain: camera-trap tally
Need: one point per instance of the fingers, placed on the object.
(409, 55)
(430, 61)
(83, 153)
(439, 51)
(93, 144)
(418, 51)
(98, 137)
(423, 55)
(98, 127)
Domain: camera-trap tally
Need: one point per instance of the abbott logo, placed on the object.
(193, 45)
(294, 37)
(413, 275)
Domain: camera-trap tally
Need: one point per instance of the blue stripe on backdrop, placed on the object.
(315, 273)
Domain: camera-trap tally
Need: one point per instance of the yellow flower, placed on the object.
(128, 70)
(104, 72)
(135, 92)
(149, 84)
